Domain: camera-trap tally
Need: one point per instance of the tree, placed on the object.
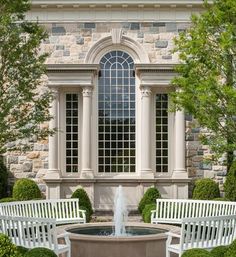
(24, 99)
(206, 83)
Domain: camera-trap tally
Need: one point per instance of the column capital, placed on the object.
(146, 91)
(87, 91)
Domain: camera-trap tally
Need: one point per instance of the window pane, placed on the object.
(71, 133)
(116, 101)
(161, 133)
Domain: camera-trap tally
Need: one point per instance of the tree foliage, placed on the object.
(24, 101)
(206, 83)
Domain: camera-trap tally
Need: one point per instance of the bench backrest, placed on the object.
(178, 209)
(30, 233)
(207, 232)
(52, 209)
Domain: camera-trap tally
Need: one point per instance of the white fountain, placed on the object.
(120, 212)
(114, 239)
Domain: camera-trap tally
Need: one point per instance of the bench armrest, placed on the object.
(83, 213)
(171, 234)
(65, 236)
(153, 211)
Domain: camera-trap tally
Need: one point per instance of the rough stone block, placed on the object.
(60, 47)
(189, 137)
(161, 44)
(27, 166)
(66, 53)
(159, 24)
(171, 27)
(195, 130)
(209, 174)
(135, 26)
(79, 40)
(58, 30)
(140, 34)
(33, 155)
(126, 25)
(205, 166)
(200, 152)
(16, 168)
(167, 57)
(89, 25)
(222, 173)
(12, 159)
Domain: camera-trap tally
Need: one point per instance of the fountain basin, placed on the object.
(151, 241)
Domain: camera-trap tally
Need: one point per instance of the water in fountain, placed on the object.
(120, 212)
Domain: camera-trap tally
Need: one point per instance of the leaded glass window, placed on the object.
(116, 113)
(71, 133)
(161, 133)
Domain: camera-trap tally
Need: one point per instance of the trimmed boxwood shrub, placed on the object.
(84, 201)
(196, 253)
(230, 183)
(149, 197)
(7, 248)
(40, 252)
(26, 189)
(3, 179)
(231, 252)
(87, 213)
(7, 200)
(221, 199)
(22, 250)
(146, 214)
(205, 189)
(219, 251)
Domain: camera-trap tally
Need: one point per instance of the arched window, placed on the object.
(116, 114)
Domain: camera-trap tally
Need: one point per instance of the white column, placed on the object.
(86, 171)
(146, 132)
(53, 166)
(180, 169)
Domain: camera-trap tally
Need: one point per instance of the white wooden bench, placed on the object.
(205, 233)
(34, 232)
(174, 210)
(63, 210)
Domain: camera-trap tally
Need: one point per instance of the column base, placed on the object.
(87, 173)
(146, 173)
(180, 173)
(52, 174)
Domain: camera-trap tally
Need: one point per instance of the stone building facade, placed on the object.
(103, 142)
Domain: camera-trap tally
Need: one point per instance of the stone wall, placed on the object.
(69, 43)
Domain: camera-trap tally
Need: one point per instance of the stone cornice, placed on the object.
(115, 3)
(146, 67)
(71, 75)
(155, 75)
(72, 68)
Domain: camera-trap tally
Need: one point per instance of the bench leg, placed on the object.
(167, 253)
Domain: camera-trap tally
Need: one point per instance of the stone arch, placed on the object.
(116, 41)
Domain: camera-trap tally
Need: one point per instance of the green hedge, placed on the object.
(3, 179)
(230, 183)
(22, 250)
(146, 214)
(7, 248)
(40, 252)
(26, 189)
(149, 197)
(205, 189)
(219, 251)
(7, 200)
(84, 201)
(196, 253)
(231, 252)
